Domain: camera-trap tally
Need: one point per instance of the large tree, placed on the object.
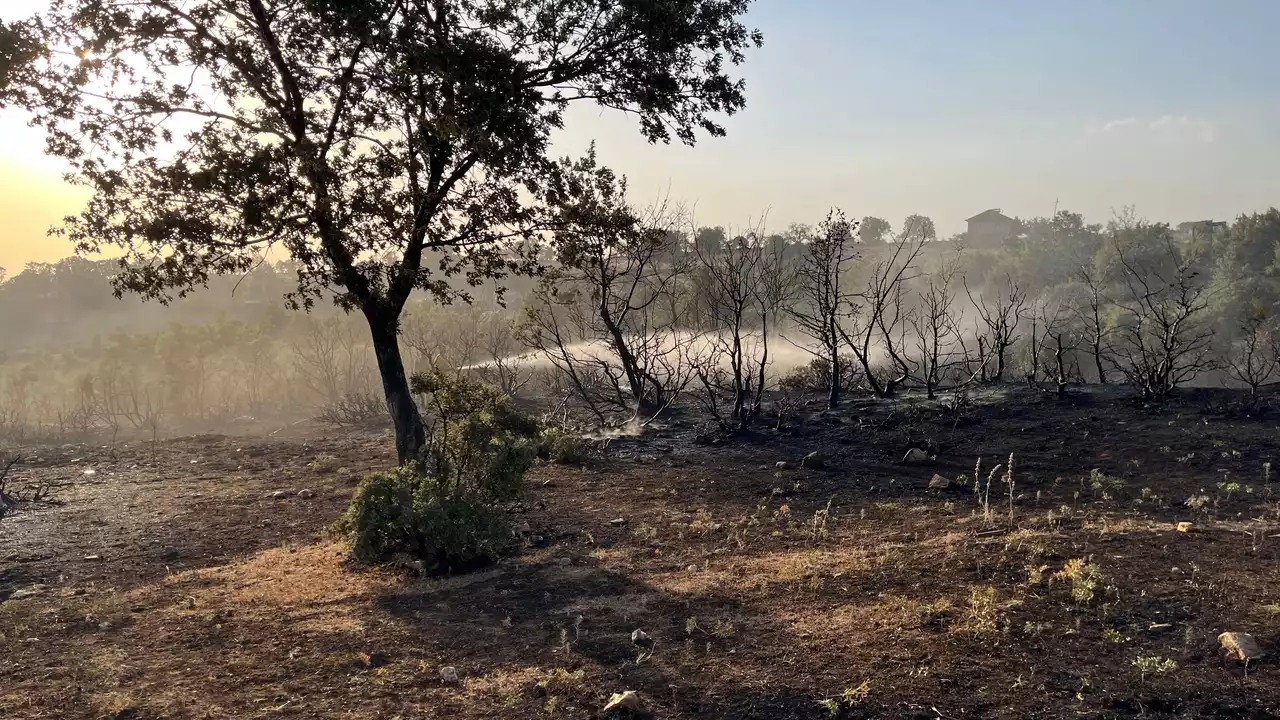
(386, 146)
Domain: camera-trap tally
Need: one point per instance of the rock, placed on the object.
(782, 465)
(92, 557)
(938, 482)
(449, 675)
(814, 461)
(564, 561)
(523, 528)
(279, 495)
(692, 568)
(27, 592)
(1240, 646)
(306, 494)
(1184, 527)
(618, 522)
(915, 456)
(628, 702)
(640, 637)
(169, 553)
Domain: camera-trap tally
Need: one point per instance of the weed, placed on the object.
(1112, 635)
(984, 612)
(1153, 665)
(817, 530)
(1083, 576)
(1103, 484)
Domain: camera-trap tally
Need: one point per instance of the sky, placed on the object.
(918, 106)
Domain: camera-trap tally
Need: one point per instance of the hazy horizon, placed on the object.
(918, 107)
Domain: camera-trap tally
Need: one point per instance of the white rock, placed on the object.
(1240, 646)
(915, 456)
(279, 495)
(306, 494)
(449, 675)
(627, 701)
(640, 637)
(782, 465)
(814, 461)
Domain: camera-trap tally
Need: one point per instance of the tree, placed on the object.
(917, 229)
(1254, 356)
(745, 287)
(1000, 313)
(821, 302)
(873, 229)
(386, 146)
(1161, 341)
(616, 280)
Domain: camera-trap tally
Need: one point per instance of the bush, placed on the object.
(816, 376)
(405, 512)
(444, 509)
(561, 446)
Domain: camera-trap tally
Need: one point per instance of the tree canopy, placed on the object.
(384, 145)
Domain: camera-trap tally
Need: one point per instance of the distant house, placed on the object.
(990, 227)
(1197, 229)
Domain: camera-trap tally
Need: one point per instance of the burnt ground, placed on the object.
(172, 582)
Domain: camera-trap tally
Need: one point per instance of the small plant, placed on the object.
(1083, 576)
(1103, 484)
(850, 698)
(817, 530)
(984, 611)
(1199, 502)
(1153, 665)
(1229, 488)
(1112, 635)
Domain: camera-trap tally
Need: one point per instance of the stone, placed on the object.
(169, 553)
(782, 465)
(640, 637)
(938, 482)
(27, 592)
(814, 461)
(523, 528)
(915, 456)
(625, 702)
(1184, 527)
(279, 495)
(92, 557)
(564, 561)
(306, 494)
(617, 522)
(692, 568)
(1240, 646)
(449, 675)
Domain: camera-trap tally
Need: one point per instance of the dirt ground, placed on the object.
(193, 579)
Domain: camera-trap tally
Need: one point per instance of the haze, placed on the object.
(938, 108)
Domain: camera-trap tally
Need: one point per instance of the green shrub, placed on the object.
(477, 442)
(445, 509)
(405, 512)
(561, 446)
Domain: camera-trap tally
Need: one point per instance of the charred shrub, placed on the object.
(445, 510)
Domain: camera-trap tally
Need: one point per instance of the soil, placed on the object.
(191, 579)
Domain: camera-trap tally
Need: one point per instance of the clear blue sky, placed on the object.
(941, 107)
(947, 108)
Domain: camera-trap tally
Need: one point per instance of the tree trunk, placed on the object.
(409, 428)
(833, 390)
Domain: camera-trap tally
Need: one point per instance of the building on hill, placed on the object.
(1199, 229)
(989, 228)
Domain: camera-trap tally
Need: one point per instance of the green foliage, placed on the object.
(478, 445)
(561, 446)
(407, 512)
(443, 508)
